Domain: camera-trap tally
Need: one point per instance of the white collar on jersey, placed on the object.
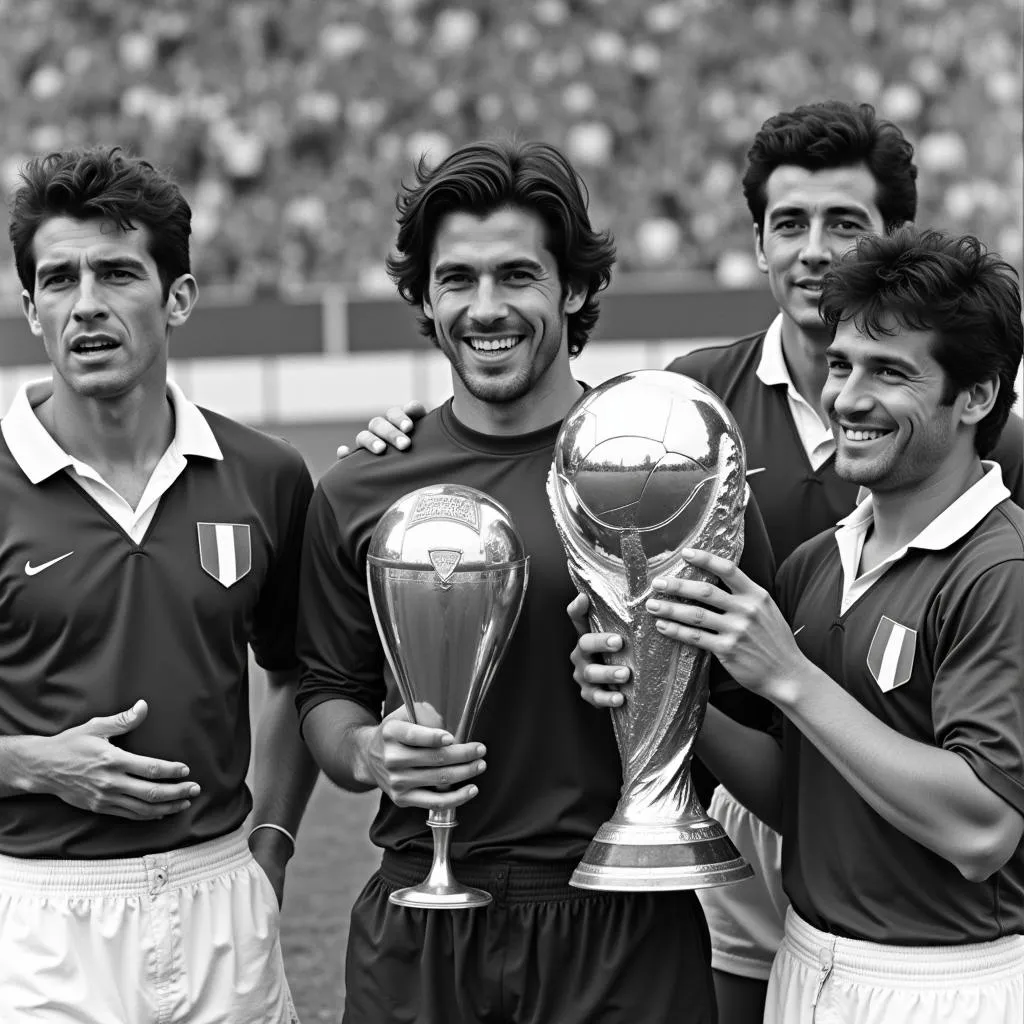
(950, 525)
(771, 367)
(39, 455)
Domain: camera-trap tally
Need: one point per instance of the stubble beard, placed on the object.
(499, 389)
(895, 470)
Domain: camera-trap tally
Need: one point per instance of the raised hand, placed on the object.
(741, 626)
(393, 428)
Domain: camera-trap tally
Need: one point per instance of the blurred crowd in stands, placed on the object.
(290, 122)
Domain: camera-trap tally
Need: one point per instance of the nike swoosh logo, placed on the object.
(31, 570)
(754, 472)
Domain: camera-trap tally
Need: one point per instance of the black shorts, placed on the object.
(541, 953)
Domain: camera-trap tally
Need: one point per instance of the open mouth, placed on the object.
(87, 346)
(497, 347)
(502, 343)
(861, 434)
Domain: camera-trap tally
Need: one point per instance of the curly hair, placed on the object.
(950, 285)
(487, 176)
(101, 183)
(823, 136)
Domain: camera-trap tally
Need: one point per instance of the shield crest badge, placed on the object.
(225, 551)
(445, 561)
(891, 655)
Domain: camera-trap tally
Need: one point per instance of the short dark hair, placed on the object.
(101, 183)
(950, 285)
(483, 177)
(823, 136)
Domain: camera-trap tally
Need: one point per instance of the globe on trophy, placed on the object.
(447, 574)
(644, 465)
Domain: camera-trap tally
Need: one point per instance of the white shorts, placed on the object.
(185, 936)
(821, 979)
(747, 918)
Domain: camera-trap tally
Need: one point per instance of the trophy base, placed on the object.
(440, 897)
(646, 858)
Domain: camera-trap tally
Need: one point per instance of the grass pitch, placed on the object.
(333, 861)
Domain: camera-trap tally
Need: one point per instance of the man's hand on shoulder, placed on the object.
(394, 428)
(84, 769)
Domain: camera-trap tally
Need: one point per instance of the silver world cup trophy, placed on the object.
(447, 576)
(645, 464)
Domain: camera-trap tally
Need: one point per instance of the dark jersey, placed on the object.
(796, 500)
(553, 770)
(934, 649)
(118, 621)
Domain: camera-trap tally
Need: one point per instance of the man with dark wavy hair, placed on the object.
(895, 654)
(144, 544)
(497, 254)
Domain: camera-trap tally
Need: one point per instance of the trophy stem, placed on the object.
(440, 889)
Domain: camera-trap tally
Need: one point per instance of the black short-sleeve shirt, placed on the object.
(553, 773)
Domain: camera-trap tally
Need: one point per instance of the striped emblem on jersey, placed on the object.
(891, 655)
(225, 551)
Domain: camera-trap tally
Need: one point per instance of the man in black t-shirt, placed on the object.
(496, 251)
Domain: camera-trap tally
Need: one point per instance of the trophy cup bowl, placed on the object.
(645, 464)
(447, 573)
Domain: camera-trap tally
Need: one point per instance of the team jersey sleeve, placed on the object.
(978, 689)
(1009, 453)
(338, 645)
(273, 630)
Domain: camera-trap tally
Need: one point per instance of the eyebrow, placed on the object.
(100, 264)
(520, 263)
(800, 211)
(887, 360)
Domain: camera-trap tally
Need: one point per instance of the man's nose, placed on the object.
(854, 396)
(815, 249)
(89, 302)
(488, 305)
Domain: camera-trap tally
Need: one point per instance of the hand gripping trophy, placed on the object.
(645, 464)
(447, 576)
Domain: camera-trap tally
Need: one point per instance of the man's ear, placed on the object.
(978, 400)
(428, 309)
(575, 297)
(762, 262)
(181, 300)
(28, 307)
